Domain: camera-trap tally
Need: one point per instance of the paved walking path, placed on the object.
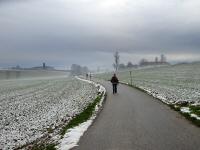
(133, 120)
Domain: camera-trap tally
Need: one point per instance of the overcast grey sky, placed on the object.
(88, 32)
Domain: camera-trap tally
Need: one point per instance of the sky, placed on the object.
(88, 32)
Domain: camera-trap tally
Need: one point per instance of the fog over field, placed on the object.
(25, 74)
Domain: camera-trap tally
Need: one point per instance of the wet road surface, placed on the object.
(133, 120)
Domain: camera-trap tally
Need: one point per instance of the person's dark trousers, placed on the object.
(114, 88)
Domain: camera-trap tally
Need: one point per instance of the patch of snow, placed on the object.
(72, 137)
(185, 109)
(195, 104)
(195, 116)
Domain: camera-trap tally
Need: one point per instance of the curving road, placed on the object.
(133, 120)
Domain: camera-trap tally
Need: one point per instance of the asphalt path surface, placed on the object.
(133, 120)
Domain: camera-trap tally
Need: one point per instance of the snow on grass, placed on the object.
(71, 138)
(185, 110)
(31, 108)
(189, 111)
(195, 116)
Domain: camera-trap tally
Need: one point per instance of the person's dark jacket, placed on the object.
(114, 80)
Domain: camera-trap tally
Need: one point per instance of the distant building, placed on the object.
(43, 67)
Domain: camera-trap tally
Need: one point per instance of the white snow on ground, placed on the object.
(195, 116)
(72, 137)
(185, 109)
(28, 108)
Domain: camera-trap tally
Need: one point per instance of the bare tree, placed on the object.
(116, 61)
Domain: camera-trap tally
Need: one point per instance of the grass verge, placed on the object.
(194, 120)
(82, 117)
(195, 110)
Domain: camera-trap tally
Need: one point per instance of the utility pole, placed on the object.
(131, 78)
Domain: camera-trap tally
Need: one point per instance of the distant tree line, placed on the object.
(78, 70)
(127, 66)
(157, 61)
(120, 66)
(143, 62)
(43, 67)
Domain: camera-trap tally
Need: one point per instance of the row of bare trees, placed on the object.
(78, 70)
(143, 62)
(117, 65)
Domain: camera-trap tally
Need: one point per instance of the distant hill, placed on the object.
(43, 67)
(34, 73)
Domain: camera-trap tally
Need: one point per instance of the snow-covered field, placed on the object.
(176, 85)
(170, 83)
(30, 108)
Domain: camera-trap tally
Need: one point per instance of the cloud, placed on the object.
(89, 31)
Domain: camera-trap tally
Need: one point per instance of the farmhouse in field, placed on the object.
(43, 67)
(162, 61)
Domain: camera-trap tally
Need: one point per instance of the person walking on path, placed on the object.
(87, 76)
(114, 81)
(90, 76)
